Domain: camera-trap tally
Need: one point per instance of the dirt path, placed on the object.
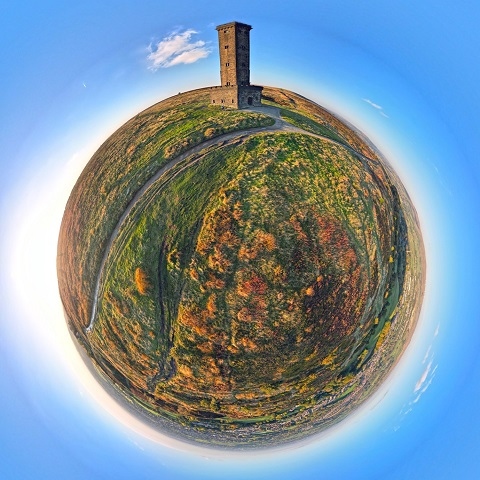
(283, 125)
(195, 152)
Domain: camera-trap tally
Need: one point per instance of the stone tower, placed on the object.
(234, 46)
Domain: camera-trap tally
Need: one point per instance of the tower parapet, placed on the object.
(235, 90)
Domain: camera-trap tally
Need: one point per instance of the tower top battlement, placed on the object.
(232, 24)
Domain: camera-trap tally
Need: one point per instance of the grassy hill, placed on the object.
(259, 289)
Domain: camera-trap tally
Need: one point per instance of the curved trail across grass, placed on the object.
(280, 125)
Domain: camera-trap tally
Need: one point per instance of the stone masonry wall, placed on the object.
(236, 97)
(224, 96)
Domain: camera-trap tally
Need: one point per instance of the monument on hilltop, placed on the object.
(234, 46)
(235, 281)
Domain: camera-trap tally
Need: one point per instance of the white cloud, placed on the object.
(376, 106)
(427, 354)
(423, 378)
(175, 49)
(424, 382)
(420, 388)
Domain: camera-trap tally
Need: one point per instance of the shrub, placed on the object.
(209, 132)
(141, 281)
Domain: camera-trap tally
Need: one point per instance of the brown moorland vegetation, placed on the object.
(258, 291)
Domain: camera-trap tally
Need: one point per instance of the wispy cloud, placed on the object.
(376, 106)
(424, 382)
(423, 378)
(427, 354)
(176, 48)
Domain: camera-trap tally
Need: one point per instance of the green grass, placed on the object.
(307, 173)
(310, 125)
(120, 167)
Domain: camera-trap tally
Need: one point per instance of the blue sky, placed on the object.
(404, 72)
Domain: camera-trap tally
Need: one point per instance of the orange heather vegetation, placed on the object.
(141, 281)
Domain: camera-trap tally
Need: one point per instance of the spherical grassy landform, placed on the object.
(244, 278)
